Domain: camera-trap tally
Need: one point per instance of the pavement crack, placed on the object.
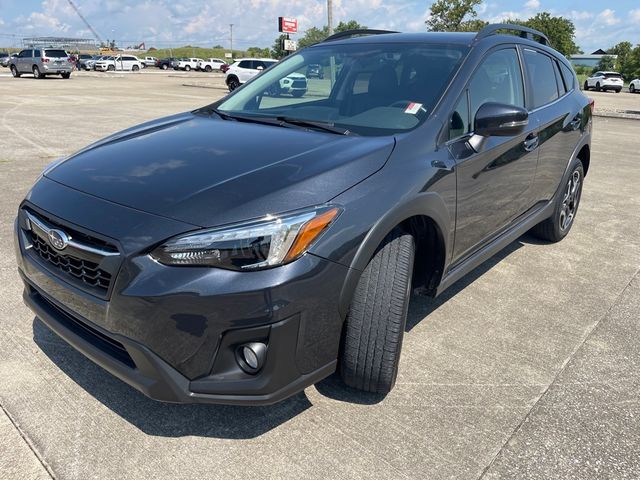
(30, 444)
(558, 373)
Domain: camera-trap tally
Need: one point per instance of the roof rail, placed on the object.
(525, 32)
(353, 33)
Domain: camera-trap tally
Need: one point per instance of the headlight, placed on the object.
(265, 243)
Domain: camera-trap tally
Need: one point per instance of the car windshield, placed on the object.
(55, 53)
(367, 89)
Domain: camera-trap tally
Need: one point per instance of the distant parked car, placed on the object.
(149, 61)
(245, 69)
(187, 64)
(294, 84)
(81, 59)
(5, 61)
(315, 70)
(167, 63)
(604, 81)
(4, 57)
(210, 64)
(224, 67)
(91, 63)
(121, 62)
(634, 86)
(42, 62)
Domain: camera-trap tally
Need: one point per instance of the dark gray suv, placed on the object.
(243, 251)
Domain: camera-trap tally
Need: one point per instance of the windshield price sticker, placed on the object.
(413, 108)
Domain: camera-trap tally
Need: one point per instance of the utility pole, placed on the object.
(330, 16)
(231, 37)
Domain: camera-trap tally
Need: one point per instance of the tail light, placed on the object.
(45, 60)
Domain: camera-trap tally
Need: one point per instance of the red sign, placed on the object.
(287, 25)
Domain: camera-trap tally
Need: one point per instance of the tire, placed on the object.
(372, 338)
(586, 86)
(36, 72)
(233, 83)
(298, 93)
(14, 71)
(165, 66)
(66, 76)
(208, 68)
(558, 225)
(187, 68)
(632, 88)
(617, 90)
(135, 68)
(598, 88)
(111, 68)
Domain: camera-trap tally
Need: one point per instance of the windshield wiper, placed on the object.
(325, 126)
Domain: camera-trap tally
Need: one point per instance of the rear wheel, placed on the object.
(598, 88)
(165, 66)
(586, 86)
(187, 68)
(36, 72)
(208, 68)
(377, 317)
(14, 71)
(135, 68)
(66, 75)
(557, 226)
(233, 83)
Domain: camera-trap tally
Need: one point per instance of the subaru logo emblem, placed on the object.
(58, 239)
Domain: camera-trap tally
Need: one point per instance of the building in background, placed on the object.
(591, 60)
(72, 44)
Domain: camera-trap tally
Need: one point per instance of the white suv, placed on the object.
(634, 86)
(188, 64)
(604, 81)
(244, 69)
(121, 62)
(210, 64)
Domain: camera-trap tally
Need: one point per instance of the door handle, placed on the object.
(531, 142)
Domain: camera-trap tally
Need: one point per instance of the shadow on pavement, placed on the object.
(164, 419)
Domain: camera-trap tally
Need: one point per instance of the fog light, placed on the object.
(251, 356)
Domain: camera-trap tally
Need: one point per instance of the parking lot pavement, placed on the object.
(526, 368)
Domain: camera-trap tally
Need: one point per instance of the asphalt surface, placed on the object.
(526, 368)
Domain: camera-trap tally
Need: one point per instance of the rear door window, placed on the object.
(36, 53)
(55, 53)
(539, 73)
(568, 76)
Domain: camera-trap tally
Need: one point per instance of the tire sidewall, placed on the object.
(559, 232)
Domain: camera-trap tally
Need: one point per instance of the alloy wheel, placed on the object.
(570, 200)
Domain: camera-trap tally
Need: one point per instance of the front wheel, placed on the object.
(14, 71)
(187, 68)
(208, 68)
(36, 72)
(165, 67)
(632, 88)
(598, 88)
(233, 83)
(111, 68)
(372, 338)
(135, 68)
(557, 226)
(586, 86)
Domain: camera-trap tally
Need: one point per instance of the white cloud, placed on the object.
(532, 4)
(634, 15)
(608, 17)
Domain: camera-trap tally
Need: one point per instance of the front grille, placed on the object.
(87, 262)
(87, 272)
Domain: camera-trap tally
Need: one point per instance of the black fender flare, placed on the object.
(428, 204)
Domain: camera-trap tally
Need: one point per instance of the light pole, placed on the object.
(330, 16)
(231, 38)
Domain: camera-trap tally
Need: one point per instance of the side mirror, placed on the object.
(500, 120)
(259, 68)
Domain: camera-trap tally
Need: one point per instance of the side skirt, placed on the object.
(489, 250)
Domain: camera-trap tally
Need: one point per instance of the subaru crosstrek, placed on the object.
(243, 251)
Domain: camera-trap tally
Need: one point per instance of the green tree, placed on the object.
(624, 62)
(277, 51)
(315, 34)
(258, 52)
(606, 63)
(559, 30)
(454, 16)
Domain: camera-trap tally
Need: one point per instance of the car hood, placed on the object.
(207, 171)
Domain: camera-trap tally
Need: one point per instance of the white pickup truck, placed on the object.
(188, 64)
(210, 64)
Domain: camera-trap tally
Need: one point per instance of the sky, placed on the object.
(164, 23)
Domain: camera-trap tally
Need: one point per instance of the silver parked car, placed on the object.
(4, 61)
(42, 62)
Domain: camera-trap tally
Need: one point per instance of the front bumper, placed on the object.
(172, 332)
